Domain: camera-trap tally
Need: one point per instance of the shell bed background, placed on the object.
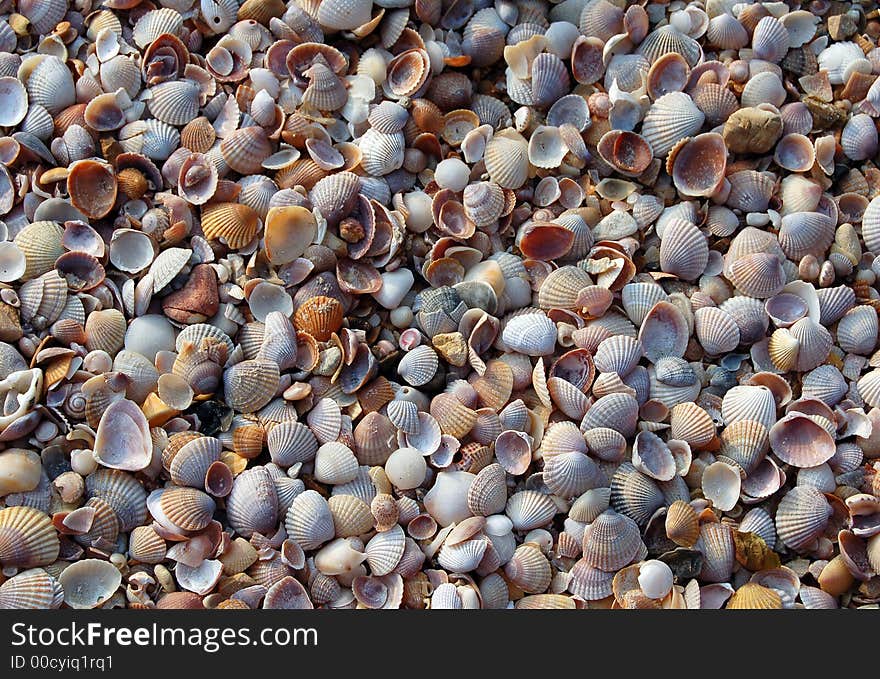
(439, 304)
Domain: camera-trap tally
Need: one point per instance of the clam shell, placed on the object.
(671, 118)
(250, 385)
(529, 509)
(684, 251)
(664, 332)
(857, 330)
(717, 332)
(385, 550)
(32, 589)
(799, 440)
(89, 583)
(634, 494)
(717, 547)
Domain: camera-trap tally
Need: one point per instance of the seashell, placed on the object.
(682, 524)
(123, 438)
(385, 550)
(32, 589)
(857, 330)
(529, 569)
(716, 545)
(529, 509)
(234, 223)
(487, 494)
(335, 463)
(178, 509)
(668, 39)
(50, 85)
(684, 251)
(309, 521)
(40, 242)
(530, 334)
(407, 73)
(611, 542)
(570, 474)
(27, 538)
(671, 118)
(754, 596)
(320, 317)
(250, 385)
(190, 465)
(803, 233)
(507, 159)
(652, 457)
(634, 494)
(721, 485)
(759, 275)
(699, 164)
(629, 153)
(92, 187)
(146, 545)
(801, 517)
(717, 332)
(664, 332)
(252, 506)
(800, 441)
(89, 583)
(770, 39)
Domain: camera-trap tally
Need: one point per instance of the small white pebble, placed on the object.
(83, 462)
(401, 317)
(406, 468)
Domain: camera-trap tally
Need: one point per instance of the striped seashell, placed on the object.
(419, 366)
(763, 88)
(507, 159)
(668, 39)
(530, 334)
(814, 598)
(105, 331)
(40, 243)
(570, 474)
(175, 102)
(753, 596)
(746, 442)
(746, 402)
(759, 522)
(550, 79)
(122, 492)
(404, 415)
(716, 102)
(682, 524)
(351, 515)
(487, 494)
(803, 346)
(834, 303)
(859, 137)
(664, 332)
(614, 411)
(601, 18)
(725, 32)
(50, 85)
(770, 40)
(27, 538)
(190, 464)
(43, 299)
(634, 494)
(198, 135)
(245, 149)
(385, 550)
(180, 510)
(588, 583)
(319, 316)
(801, 517)
(689, 422)
(343, 15)
(453, 416)
(325, 91)
(605, 443)
(529, 569)
(250, 385)
(825, 383)
(309, 521)
(197, 332)
(759, 274)
(857, 330)
(236, 224)
(683, 250)
(325, 420)
(803, 233)
(155, 23)
(716, 331)
(529, 509)
(716, 545)
(671, 118)
(590, 505)
(618, 354)
(104, 524)
(146, 545)
(611, 542)
(32, 589)
(750, 191)
(335, 463)
(674, 371)
(561, 288)
(382, 153)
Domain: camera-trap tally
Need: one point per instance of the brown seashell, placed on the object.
(234, 223)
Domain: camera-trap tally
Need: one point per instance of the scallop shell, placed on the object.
(250, 385)
(634, 494)
(529, 509)
(684, 251)
(487, 494)
(857, 330)
(507, 159)
(309, 521)
(717, 332)
(27, 538)
(32, 589)
(801, 517)
(529, 569)
(671, 118)
(717, 547)
(234, 223)
(611, 542)
(385, 550)
(418, 366)
(682, 524)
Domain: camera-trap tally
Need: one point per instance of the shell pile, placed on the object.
(439, 304)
